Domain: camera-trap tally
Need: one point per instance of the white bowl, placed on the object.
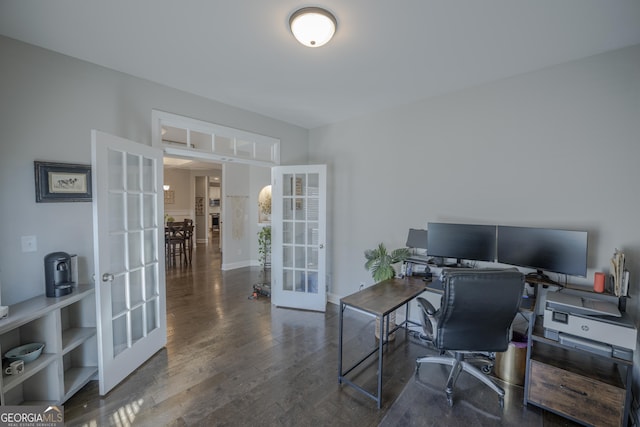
(27, 352)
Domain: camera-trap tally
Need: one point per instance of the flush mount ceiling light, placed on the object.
(313, 26)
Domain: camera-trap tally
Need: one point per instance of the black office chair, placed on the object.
(476, 312)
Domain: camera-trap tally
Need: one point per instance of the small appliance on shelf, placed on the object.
(58, 274)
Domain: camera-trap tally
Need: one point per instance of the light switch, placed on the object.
(29, 244)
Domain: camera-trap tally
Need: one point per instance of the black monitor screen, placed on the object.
(417, 238)
(462, 241)
(558, 251)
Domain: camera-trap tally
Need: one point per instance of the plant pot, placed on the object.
(392, 324)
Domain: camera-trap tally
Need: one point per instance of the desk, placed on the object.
(380, 300)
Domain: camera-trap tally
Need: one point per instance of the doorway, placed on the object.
(193, 190)
(245, 161)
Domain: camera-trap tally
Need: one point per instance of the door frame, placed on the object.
(159, 118)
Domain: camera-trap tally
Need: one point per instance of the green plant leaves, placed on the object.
(380, 261)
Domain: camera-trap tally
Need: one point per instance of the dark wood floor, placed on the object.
(231, 360)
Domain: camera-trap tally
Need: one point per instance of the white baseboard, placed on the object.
(333, 298)
(234, 265)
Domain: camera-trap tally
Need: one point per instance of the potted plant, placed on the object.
(380, 262)
(264, 246)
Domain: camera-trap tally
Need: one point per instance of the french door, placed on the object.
(128, 235)
(298, 228)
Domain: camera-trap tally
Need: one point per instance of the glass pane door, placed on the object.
(134, 247)
(128, 255)
(298, 241)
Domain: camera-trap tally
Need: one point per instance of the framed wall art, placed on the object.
(169, 197)
(199, 205)
(62, 182)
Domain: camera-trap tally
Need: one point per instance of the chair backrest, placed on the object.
(477, 309)
(177, 229)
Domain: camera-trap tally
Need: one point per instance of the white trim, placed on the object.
(186, 213)
(196, 154)
(162, 118)
(234, 265)
(333, 298)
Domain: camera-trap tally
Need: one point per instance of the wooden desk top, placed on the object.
(386, 296)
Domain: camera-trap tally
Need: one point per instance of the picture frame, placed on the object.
(169, 197)
(62, 182)
(199, 205)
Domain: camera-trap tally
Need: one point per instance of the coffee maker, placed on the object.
(58, 274)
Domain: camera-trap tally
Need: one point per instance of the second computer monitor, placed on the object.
(474, 242)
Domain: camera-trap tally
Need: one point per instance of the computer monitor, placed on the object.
(417, 238)
(474, 242)
(544, 249)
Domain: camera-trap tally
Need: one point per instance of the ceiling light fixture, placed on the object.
(313, 26)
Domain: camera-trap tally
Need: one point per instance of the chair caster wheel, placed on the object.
(450, 400)
(486, 369)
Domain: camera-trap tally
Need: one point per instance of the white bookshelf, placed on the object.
(67, 327)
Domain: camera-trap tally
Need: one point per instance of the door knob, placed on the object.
(321, 245)
(107, 277)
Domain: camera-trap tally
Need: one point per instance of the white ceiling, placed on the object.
(385, 53)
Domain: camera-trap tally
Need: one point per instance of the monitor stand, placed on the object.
(457, 264)
(540, 278)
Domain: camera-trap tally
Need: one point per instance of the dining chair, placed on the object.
(188, 237)
(176, 242)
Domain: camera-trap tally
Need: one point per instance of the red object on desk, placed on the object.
(598, 282)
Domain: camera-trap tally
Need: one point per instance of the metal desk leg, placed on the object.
(381, 342)
(406, 319)
(342, 307)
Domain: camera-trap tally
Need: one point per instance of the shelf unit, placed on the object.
(587, 388)
(67, 327)
(412, 261)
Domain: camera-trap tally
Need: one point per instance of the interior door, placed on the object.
(128, 233)
(298, 234)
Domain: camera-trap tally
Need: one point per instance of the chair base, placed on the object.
(458, 365)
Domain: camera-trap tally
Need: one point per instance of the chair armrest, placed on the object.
(426, 306)
(428, 318)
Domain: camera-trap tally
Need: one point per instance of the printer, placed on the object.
(577, 320)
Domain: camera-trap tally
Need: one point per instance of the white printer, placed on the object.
(577, 320)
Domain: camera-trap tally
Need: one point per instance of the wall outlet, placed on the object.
(29, 244)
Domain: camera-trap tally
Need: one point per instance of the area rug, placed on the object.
(423, 403)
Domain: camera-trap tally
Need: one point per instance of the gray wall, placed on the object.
(557, 148)
(554, 148)
(50, 103)
(236, 228)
